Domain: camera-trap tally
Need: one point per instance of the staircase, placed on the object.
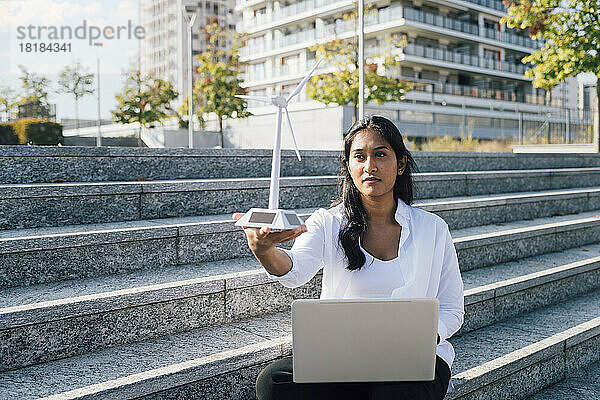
(122, 275)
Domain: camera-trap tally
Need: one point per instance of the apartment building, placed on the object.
(163, 52)
(465, 64)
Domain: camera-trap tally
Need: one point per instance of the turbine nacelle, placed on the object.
(279, 101)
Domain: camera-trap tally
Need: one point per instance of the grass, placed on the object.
(450, 143)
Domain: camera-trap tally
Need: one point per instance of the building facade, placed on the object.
(163, 52)
(466, 65)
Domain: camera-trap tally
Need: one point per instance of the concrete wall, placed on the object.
(161, 137)
(315, 128)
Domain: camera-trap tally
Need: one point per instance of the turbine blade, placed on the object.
(287, 114)
(257, 98)
(301, 84)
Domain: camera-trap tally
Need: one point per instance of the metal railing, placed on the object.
(495, 4)
(296, 8)
(544, 126)
(296, 37)
(437, 53)
(474, 91)
(441, 21)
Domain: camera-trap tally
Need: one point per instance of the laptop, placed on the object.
(364, 340)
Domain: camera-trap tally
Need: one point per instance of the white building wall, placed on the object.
(315, 127)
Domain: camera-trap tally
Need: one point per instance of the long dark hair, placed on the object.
(354, 210)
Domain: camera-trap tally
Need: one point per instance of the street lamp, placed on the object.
(361, 59)
(99, 133)
(189, 13)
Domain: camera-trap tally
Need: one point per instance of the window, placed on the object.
(256, 44)
(286, 90)
(290, 64)
(256, 71)
(491, 24)
(491, 54)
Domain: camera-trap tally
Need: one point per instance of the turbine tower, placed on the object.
(273, 217)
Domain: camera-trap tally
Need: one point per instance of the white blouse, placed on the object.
(376, 279)
(426, 266)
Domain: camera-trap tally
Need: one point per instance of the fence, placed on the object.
(546, 125)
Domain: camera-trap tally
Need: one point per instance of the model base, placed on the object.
(277, 220)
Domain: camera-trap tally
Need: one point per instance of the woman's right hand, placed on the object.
(261, 240)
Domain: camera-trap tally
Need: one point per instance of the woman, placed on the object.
(372, 244)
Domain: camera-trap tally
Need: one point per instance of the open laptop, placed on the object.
(364, 340)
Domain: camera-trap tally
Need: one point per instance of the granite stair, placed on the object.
(125, 278)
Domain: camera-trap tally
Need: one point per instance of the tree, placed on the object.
(36, 93)
(8, 100)
(341, 85)
(218, 78)
(78, 82)
(571, 30)
(145, 100)
(183, 111)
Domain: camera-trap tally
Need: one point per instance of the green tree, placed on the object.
(218, 79)
(8, 100)
(571, 30)
(36, 93)
(183, 112)
(341, 85)
(145, 99)
(77, 81)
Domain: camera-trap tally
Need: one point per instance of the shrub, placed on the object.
(36, 131)
(7, 134)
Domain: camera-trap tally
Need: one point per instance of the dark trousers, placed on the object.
(275, 383)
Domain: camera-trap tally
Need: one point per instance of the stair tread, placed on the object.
(44, 295)
(583, 385)
(524, 225)
(497, 273)
(173, 222)
(183, 181)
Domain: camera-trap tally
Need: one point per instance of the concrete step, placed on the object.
(511, 359)
(57, 204)
(584, 384)
(46, 322)
(42, 255)
(29, 164)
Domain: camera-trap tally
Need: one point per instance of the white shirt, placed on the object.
(426, 266)
(376, 279)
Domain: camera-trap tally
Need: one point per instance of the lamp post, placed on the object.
(99, 133)
(361, 59)
(189, 13)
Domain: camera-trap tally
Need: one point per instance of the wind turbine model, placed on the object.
(273, 217)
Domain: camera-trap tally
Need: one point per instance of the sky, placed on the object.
(116, 55)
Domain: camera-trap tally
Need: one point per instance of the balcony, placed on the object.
(296, 8)
(477, 92)
(295, 38)
(282, 71)
(441, 21)
(510, 37)
(288, 11)
(259, 19)
(495, 4)
(462, 58)
(385, 15)
(520, 40)
(389, 14)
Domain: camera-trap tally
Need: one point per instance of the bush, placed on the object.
(7, 134)
(36, 131)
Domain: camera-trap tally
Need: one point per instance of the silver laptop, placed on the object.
(364, 340)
